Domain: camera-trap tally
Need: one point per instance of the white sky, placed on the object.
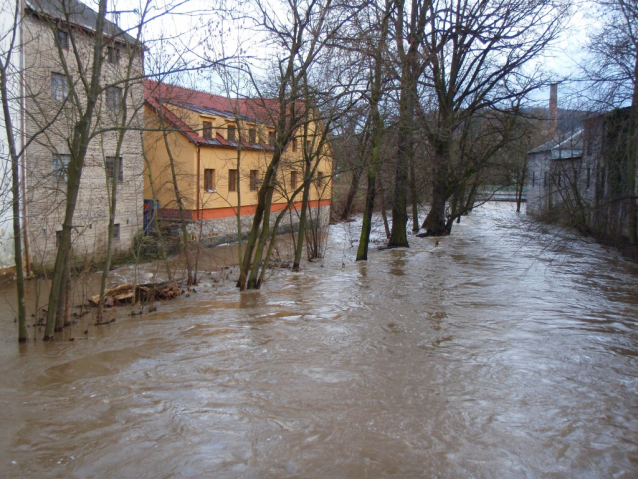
(186, 29)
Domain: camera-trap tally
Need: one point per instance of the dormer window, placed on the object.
(207, 130)
(62, 39)
(231, 132)
(252, 136)
(271, 138)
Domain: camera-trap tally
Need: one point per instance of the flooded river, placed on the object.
(498, 353)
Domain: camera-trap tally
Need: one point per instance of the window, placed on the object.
(113, 55)
(110, 168)
(308, 146)
(116, 231)
(271, 138)
(319, 179)
(209, 180)
(207, 130)
(62, 39)
(232, 180)
(231, 133)
(533, 178)
(59, 87)
(294, 145)
(293, 180)
(113, 98)
(58, 238)
(588, 177)
(252, 136)
(60, 165)
(254, 180)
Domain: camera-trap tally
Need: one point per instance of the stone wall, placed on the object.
(46, 190)
(224, 230)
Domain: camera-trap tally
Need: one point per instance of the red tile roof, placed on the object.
(248, 108)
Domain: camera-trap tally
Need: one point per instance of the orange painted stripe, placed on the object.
(227, 212)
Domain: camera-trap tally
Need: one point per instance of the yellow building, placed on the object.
(220, 150)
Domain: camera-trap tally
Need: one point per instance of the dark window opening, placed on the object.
(271, 138)
(231, 133)
(113, 98)
(209, 180)
(113, 55)
(232, 180)
(293, 180)
(60, 165)
(308, 146)
(254, 180)
(588, 177)
(545, 180)
(62, 39)
(252, 136)
(533, 178)
(116, 231)
(58, 238)
(207, 130)
(110, 168)
(59, 87)
(294, 145)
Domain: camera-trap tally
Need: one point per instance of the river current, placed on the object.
(500, 352)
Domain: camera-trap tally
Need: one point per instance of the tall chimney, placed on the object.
(552, 121)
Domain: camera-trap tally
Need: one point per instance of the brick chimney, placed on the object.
(552, 120)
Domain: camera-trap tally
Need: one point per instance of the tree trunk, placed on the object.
(414, 197)
(302, 219)
(435, 221)
(180, 205)
(109, 240)
(160, 237)
(352, 192)
(78, 148)
(632, 157)
(362, 251)
(15, 206)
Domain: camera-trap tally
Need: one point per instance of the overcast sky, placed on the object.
(188, 26)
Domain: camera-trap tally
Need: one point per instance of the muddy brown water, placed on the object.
(497, 353)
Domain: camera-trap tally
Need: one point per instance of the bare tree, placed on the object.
(476, 54)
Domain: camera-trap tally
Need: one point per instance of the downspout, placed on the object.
(23, 180)
(198, 180)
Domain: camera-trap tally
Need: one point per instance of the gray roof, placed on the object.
(78, 14)
(565, 146)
